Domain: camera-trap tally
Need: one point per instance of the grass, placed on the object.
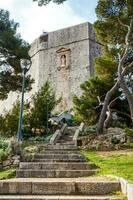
(7, 173)
(117, 163)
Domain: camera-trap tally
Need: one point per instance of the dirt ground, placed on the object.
(117, 152)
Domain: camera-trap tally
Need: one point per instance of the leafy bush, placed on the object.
(30, 150)
(3, 155)
(41, 138)
(7, 173)
(4, 144)
(129, 132)
(4, 149)
(89, 130)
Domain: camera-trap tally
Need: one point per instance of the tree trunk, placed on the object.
(105, 107)
(108, 119)
(120, 82)
(128, 95)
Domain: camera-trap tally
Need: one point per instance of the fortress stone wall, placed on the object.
(65, 58)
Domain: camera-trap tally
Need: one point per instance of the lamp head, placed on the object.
(25, 64)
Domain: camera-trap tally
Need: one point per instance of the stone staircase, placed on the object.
(58, 173)
(62, 160)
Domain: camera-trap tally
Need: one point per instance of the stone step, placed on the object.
(61, 147)
(61, 152)
(59, 186)
(49, 197)
(57, 166)
(58, 160)
(58, 156)
(30, 173)
(66, 138)
(64, 142)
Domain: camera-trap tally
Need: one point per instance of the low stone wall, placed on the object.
(126, 187)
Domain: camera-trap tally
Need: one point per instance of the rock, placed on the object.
(16, 162)
(7, 163)
(17, 157)
(113, 139)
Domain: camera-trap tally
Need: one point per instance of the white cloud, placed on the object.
(34, 19)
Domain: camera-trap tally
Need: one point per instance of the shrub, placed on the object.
(89, 130)
(4, 149)
(4, 154)
(4, 144)
(41, 138)
(129, 132)
(30, 150)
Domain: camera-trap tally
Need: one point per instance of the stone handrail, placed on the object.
(63, 128)
(77, 132)
(58, 133)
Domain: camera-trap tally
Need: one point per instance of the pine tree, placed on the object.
(12, 49)
(114, 29)
(45, 2)
(42, 104)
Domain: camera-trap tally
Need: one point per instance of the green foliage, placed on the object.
(12, 49)
(44, 102)
(7, 173)
(30, 150)
(86, 107)
(4, 144)
(109, 12)
(129, 132)
(4, 149)
(89, 130)
(9, 122)
(41, 138)
(45, 2)
(35, 114)
(3, 155)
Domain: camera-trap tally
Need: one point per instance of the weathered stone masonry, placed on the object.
(65, 58)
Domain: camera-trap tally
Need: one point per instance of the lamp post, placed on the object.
(25, 66)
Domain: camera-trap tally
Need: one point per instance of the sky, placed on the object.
(34, 20)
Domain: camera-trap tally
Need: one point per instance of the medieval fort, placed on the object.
(64, 58)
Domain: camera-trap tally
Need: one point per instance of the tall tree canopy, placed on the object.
(12, 49)
(45, 2)
(114, 20)
(114, 29)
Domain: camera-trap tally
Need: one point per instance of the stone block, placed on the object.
(58, 156)
(96, 188)
(130, 191)
(123, 185)
(53, 188)
(9, 187)
(29, 165)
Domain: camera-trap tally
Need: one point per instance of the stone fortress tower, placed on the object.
(64, 58)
